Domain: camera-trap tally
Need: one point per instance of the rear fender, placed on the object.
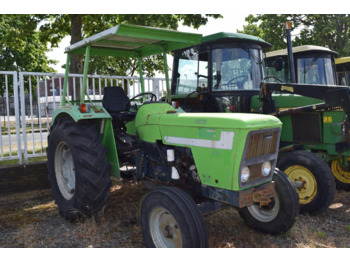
(100, 117)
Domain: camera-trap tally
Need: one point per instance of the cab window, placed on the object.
(192, 71)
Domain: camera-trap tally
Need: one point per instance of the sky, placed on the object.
(229, 23)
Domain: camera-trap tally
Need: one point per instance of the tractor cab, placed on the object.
(312, 64)
(220, 74)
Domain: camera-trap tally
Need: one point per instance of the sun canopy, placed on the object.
(342, 60)
(302, 49)
(134, 41)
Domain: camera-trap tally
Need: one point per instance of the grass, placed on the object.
(38, 150)
(29, 129)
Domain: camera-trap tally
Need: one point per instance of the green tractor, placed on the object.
(328, 135)
(342, 66)
(226, 73)
(193, 163)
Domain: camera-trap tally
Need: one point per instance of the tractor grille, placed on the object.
(261, 144)
(306, 128)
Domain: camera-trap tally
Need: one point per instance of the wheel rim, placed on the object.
(339, 171)
(64, 170)
(304, 181)
(265, 213)
(164, 229)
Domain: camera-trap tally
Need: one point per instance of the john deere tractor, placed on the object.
(226, 73)
(342, 66)
(192, 163)
(328, 127)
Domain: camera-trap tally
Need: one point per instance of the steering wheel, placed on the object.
(153, 96)
(186, 98)
(273, 77)
(238, 83)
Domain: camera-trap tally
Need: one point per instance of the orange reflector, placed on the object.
(83, 108)
(288, 25)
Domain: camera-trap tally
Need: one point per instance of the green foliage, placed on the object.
(320, 29)
(20, 47)
(321, 234)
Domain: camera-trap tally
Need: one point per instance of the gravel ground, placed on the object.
(31, 219)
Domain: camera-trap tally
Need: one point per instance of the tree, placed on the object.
(320, 29)
(20, 46)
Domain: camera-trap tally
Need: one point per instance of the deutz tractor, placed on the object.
(192, 163)
(226, 73)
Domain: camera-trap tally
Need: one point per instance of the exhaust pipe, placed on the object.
(290, 53)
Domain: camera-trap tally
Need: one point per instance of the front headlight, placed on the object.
(266, 168)
(245, 174)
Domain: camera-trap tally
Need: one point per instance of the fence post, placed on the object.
(17, 113)
(23, 116)
(155, 87)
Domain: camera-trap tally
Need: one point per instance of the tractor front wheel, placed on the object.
(78, 168)
(279, 215)
(171, 218)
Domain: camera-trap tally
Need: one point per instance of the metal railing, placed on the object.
(29, 99)
(10, 142)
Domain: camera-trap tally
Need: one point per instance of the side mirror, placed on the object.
(278, 64)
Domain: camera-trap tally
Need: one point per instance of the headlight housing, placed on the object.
(245, 173)
(266, 168)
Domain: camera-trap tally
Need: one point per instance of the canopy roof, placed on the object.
(302, 49)
(342, 60)
(237, 37)
(134, 41)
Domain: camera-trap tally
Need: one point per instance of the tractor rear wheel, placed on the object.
(78, 168)
(279, 215)
(313, 180)
(171, 218)
(341, 174)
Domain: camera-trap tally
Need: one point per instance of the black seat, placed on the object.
(117, 103)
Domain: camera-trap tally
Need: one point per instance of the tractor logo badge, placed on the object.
(327, 119)
(288, 88)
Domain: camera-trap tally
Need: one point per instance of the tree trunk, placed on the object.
(75, 66)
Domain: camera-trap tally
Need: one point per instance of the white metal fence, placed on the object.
(27, 101)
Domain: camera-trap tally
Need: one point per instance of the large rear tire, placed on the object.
(341, 174)
(313, 180)
(78, 168)
(278, 216)
(170, 218)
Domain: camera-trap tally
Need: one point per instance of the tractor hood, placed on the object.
(153, 119)
(219, 120)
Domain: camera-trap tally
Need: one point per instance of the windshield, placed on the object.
(192, 71)
(281, 73)
(236, 69)
(315, 70)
